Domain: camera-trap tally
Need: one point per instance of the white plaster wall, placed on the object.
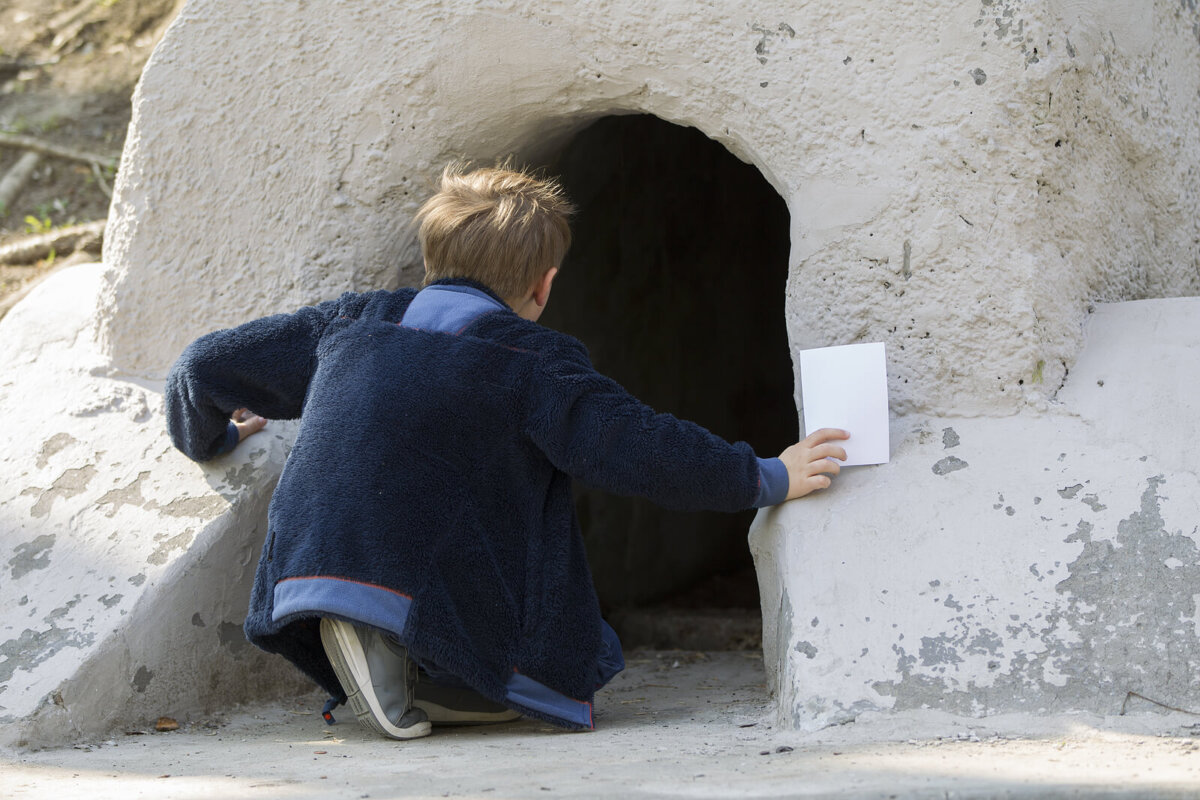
(1043, 562)
(126, 567)
(958, 174)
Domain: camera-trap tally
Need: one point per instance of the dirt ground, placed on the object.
(674, 725)
(67, 71)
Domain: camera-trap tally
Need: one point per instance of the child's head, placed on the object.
(498, 226)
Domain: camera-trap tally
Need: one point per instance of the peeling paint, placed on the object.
(938, 650)
(949, 438)
(230, 635)
(31, 555)
(52, 446)
(206, 507)
(62, 610)
(238, 478)
(33, 647)
(128, 495)
(1126, 622)
(202, 507)
(141, 679)
(177, 542)
(69, 483)
(949, 464)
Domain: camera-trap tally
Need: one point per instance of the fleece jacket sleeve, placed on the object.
(264, 365)
(590, 427)
(773, 482)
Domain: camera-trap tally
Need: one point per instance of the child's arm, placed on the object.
(264, 365)
(591, 428)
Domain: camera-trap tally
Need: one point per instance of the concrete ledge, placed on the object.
(126, 567)
(1042, 562)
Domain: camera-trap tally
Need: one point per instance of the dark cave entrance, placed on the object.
(676, 282)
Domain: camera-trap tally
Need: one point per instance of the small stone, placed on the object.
(166, 724)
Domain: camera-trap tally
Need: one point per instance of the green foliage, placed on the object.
(36, 225)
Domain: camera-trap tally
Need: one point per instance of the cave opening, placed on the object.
(675, 282)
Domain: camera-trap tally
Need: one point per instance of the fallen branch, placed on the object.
(28, 249)
(1129, 695)
(100, 181)
(55, 150)
(15, 179)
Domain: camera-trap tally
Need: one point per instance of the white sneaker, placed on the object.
(378, 677)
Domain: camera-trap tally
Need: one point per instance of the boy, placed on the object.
(424, 516)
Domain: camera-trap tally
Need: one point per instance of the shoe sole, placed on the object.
(341, 642)
(440, 715)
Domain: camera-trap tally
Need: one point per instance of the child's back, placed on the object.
(428, 494)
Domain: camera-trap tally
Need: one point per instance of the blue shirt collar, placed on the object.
(449, 306)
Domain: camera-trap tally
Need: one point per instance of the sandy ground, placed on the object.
(673, 725)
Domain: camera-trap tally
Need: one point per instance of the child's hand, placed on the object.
(808, 459)
(248, 423)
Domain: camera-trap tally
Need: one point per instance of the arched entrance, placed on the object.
(675, 282)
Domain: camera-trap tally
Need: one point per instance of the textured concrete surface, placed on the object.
(1040, 562)
(675, 725)
(126, 567)
(959, 175)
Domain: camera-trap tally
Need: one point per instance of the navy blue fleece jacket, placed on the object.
(429, 493)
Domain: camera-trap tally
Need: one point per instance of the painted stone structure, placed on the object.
(1037, 562)
(965, 182)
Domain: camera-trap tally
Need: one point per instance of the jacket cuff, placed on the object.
(772, 482)
(231, 439)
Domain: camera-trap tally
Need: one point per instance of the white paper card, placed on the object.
(846, 387)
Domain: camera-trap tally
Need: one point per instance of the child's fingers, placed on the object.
(820, 465)
(823, 435)
(812, 484)
(250, 425)
(828, 451)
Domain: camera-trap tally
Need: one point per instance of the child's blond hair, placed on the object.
(501, 227)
